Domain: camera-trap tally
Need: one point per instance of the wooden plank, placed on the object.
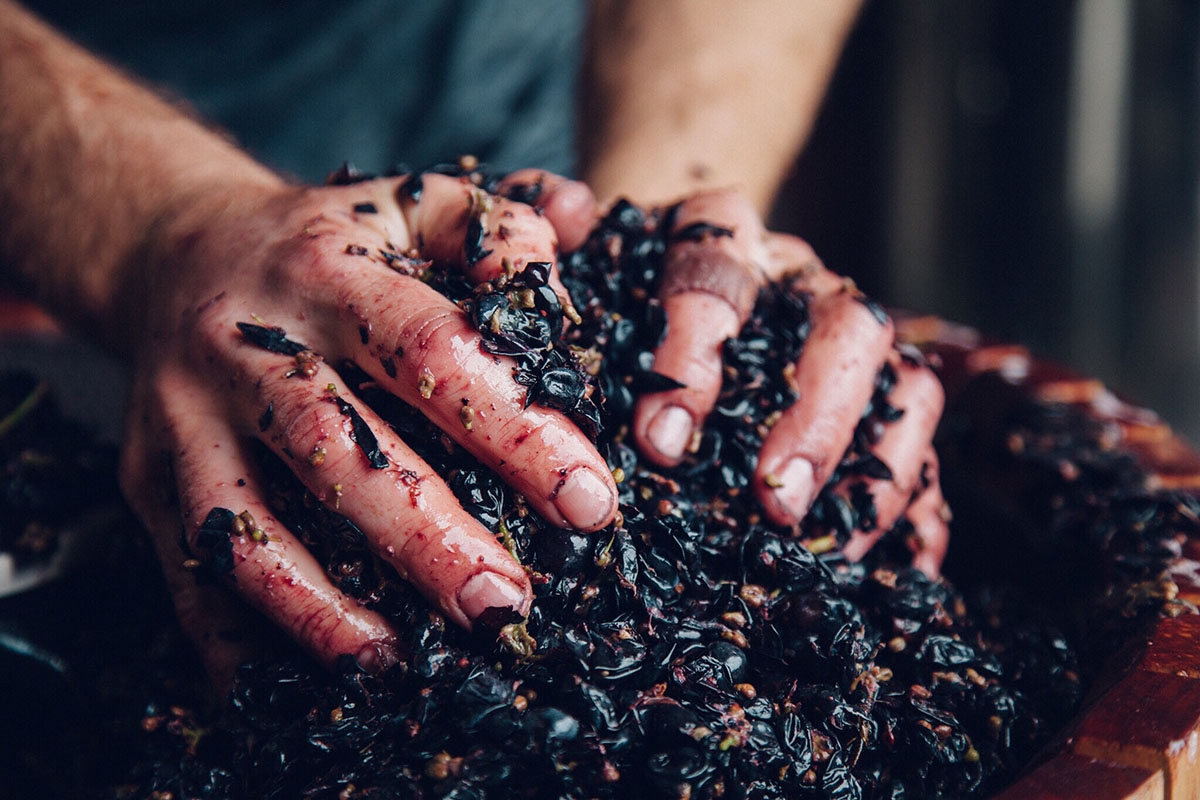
(1073, 777)
(1174, 647)
(1149, 720)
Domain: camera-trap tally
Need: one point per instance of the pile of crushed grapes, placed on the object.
(691, 649)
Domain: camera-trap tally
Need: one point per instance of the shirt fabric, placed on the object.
(305, 85)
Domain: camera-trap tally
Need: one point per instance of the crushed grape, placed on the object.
(692, 649)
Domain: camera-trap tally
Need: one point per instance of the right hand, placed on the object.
(708, 290)
(309, 260)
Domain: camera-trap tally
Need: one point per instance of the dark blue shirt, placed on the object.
(305, 85)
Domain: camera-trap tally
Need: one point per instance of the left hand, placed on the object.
(326, 262)
(708, 290)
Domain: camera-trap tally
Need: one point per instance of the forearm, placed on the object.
(684, 95)
(93, 165)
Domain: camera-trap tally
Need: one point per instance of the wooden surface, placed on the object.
(1149, 720)
(1139, 737)
(1069, 776)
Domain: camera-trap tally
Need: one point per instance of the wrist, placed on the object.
(99, 171)
(179, 237)
(658, 181)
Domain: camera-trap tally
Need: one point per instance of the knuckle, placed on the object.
(921, 389)
(431, 342)
(931, 388)
(415, 549)
(858, 314)
(398, 310)
(713, 279)
(523, 440)
(519, 220)
(844, 317)
(340, 465)
(313, 622)
(791, 255)
(307, 423)
(702, 366)
(210, 331)
(353, 289)
(315, 435)
(210, 309)
(415, 327)
(315, 254)
(518, 234)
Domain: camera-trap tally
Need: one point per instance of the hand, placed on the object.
(708, 290)
(331, 268)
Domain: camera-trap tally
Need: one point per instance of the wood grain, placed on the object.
(1173, 647)
(1149, 720)
(1072, 777)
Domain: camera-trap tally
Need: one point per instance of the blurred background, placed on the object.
(1027, 167)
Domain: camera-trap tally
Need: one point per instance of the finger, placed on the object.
(456, 222)
(902, 447)
(791, 259)
(422, 348)
(224, 634)
(569, 205)
(697, 326)
(929, 516)
(834, 379)
(224, 631)
(710, 282)
(273, 571)
(353, 462)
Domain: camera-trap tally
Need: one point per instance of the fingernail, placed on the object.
(490, 590)
(794, 487)
(585, 499)
(377, 656)
(670, 431)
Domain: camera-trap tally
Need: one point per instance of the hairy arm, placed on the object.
(94, 166)
(681, 96)
(140, 227)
